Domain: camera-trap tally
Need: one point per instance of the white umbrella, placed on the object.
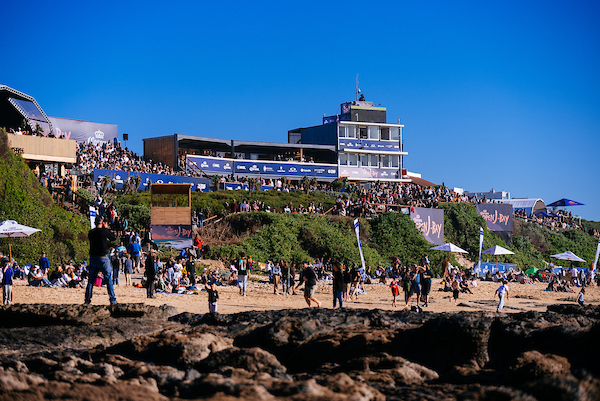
(10, 229)
(568, 255)
(497, 250)
(449, 247)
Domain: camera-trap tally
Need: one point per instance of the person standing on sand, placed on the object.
(128, 268)
(310, 284)
(502, 292)
(242, 274)
(338, 285)
(395, 290)
(455, 289)
(7, 281)
(150, 274)
(213, 297)
(99, 239)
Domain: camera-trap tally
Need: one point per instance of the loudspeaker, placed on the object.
(125, 137)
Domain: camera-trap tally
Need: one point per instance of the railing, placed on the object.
(196, 171)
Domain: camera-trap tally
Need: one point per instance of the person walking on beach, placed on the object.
(455, 289)
(502, 292)
(213, 297)
(242, 274)
(7, 281)
(150, 274)
(395, 290)
(310, 285)
(99, 238)
(276, 274)
(426, 276)
(338, 285)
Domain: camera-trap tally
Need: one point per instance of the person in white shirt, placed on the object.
(502, 292)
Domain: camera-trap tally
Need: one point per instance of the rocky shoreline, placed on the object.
(136, 351)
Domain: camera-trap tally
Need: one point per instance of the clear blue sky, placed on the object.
(502, 95)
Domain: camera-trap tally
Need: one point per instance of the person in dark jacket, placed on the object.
(150, 274)
(100, 238)
(310, 284)
(338, 285)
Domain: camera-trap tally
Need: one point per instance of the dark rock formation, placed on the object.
(148, 353)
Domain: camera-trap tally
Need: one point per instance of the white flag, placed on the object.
(92, 217)
(362, 259)
(480, 246)
(597, 253)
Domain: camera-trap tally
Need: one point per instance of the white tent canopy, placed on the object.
(531, 206)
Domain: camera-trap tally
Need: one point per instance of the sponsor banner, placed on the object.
(218, 165)
(365, 144)
(491, 267)
(329, 120)
(212, 165)
(201, 184)
(170, 232)
(290, 170)
(232, 186)
(498, 216)
(430, 222)
(84, 131)
(369, 172)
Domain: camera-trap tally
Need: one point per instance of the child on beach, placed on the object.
(580, 296)
(455, 290)
(213, 297)
(395, 289)
(502, 292)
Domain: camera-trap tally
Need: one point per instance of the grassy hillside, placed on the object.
(23, 199)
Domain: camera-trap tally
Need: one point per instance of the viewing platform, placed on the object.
(43, 149)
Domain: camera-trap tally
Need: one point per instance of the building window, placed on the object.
(343, 159)
(342, 131)
(385, 133)
(363, 133)
(369, 160)
(390, 161)
(373, 132)
(352, 159)
(394, 134)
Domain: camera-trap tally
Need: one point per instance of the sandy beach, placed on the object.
(522, 297)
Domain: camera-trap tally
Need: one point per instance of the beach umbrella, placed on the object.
(568, 255)
(497, 250)
(531, 270)
(449, 247)
(10, 229)
(565, 202)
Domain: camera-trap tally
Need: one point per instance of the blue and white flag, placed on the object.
(93, 217)
(480, 246)
(596, 259)
(362, 259)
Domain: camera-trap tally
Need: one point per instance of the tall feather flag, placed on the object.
(480, 246)
(362, 259)
(596, 259)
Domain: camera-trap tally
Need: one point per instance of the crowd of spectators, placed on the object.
(554, 220)
(114, 157)
(37, 132)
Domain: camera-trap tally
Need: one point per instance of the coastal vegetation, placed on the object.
(277, 236)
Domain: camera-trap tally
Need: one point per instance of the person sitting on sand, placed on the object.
(580, 296)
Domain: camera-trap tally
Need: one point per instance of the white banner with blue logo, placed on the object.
(356, 230)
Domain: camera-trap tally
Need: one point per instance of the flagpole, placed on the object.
(596, 259)
(480, 246)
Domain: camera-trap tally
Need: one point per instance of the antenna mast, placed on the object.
(357, 89)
